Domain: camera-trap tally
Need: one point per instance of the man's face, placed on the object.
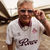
(25, 12)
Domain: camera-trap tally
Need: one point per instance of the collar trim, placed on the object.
(29, 24)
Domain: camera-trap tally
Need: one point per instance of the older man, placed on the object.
(27, 30)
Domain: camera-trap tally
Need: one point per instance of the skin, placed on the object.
(25, 18)
(39, 14)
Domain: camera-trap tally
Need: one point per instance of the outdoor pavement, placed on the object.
(44, 45)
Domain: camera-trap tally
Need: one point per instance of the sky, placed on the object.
(11, 4)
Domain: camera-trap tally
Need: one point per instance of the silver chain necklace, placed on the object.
(25, 28)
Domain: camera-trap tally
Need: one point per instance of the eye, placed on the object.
(23, 10)
(30, 11)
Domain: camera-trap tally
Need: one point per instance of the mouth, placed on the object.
(25, 18)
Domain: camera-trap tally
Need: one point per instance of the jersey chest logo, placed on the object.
(26, 42)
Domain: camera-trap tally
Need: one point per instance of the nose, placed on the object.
(26, 13)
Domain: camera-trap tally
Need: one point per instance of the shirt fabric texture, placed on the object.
(25, 40)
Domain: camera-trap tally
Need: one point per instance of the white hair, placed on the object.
(22, 1)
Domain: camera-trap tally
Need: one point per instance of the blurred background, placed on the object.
(8, 13)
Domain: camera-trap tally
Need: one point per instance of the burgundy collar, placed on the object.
(21, 25)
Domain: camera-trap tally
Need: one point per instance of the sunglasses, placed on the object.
(30, 11)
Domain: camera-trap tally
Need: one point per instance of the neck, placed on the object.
(24, 23)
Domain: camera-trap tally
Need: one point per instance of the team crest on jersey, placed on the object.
(34, 30)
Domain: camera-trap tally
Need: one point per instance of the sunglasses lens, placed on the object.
(23, 11)
(30, 11)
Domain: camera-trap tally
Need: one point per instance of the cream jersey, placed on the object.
(25, 40)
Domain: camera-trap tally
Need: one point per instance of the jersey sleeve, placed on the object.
(41, 30)
(39, 24)
(41, 27)
(9, 35)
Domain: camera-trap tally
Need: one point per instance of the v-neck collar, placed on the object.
(21, 25)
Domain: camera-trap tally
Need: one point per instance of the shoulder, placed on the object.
(12, 23)
(34, 20)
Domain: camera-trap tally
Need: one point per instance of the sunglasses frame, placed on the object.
(26, 10)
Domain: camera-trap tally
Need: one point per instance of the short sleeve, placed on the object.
(41, 30)
(41, 27)
(9, 35)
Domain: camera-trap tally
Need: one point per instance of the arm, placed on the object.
(9, 37)
(39, 14)
(47, 26)
(10, 47)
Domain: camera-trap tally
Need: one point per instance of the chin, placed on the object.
(26, 21)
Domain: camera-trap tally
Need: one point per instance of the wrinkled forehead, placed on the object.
(26, 5)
